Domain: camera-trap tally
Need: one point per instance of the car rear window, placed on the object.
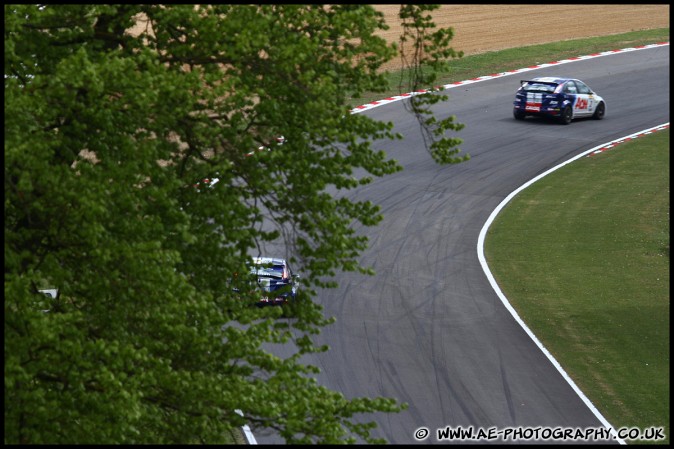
(539, 87)
(274, 270)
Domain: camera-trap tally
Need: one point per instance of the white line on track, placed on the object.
(502, 297)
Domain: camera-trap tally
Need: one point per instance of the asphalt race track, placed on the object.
(428, 329)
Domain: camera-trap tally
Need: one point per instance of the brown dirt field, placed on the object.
(483, 28)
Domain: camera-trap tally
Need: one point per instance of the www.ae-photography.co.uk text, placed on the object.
(541, 433)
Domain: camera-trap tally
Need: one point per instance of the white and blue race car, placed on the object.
(275, 280)
(562, 98)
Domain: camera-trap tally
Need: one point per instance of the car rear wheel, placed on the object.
(519, 115)
(566, 116)
(600, 111)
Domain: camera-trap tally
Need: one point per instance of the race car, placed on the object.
(275, 280)
(564, 99)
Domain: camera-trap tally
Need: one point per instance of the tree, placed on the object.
(112, 113)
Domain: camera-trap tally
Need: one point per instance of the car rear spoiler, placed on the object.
(551, 83)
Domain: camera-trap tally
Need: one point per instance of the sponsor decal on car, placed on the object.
(581, 103)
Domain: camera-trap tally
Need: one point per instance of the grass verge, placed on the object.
(583, 255)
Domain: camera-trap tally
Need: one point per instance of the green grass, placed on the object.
(500, 61)
(583, 255)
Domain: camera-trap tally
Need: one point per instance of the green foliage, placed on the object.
(428, 56)
(106, 132)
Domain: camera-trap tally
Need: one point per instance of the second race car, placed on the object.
(562, 98)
